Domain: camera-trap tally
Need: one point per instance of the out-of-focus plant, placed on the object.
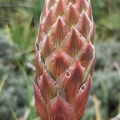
(106, 17)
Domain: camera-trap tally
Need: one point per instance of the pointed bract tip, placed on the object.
(60, 110)
(40, 104)
(38, 64)
(80, 100)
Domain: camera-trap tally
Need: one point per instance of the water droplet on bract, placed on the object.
(67, 74)
(72, 67)
(83, 87)
(55, 84)
(91, 56)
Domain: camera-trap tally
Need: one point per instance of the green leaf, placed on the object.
(2, 82)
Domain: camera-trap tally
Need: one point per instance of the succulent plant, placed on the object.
(65, 58)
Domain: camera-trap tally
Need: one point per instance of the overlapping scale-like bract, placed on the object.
(65, 58)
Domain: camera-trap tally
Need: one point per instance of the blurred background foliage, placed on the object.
(18, 29)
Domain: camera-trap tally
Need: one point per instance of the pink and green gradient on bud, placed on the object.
(65, 58)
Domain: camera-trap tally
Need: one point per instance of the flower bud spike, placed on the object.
(65, 59)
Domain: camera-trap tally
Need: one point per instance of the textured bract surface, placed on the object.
(65, 58)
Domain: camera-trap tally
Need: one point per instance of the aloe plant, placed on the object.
(65, 58)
